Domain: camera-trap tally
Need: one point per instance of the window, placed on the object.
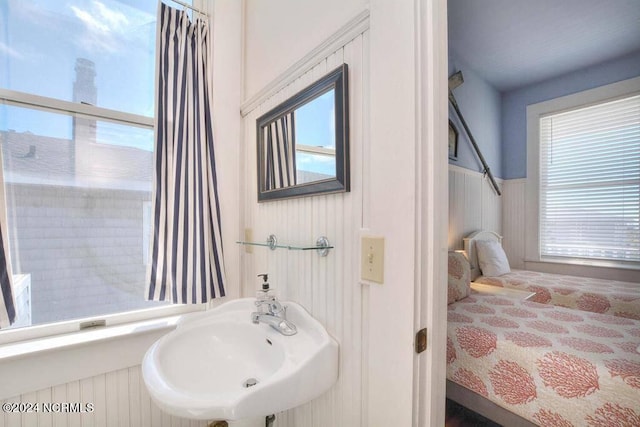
(316, 139)
(589, 182)
(76, 131)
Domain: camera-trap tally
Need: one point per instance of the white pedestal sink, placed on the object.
(218, 365)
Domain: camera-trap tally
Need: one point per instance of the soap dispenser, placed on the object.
(264, 293)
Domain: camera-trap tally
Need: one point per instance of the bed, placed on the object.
(522, 363)
(581, 293)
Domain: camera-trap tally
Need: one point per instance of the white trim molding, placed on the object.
(460, 169)
(356, 26)
(432, 189)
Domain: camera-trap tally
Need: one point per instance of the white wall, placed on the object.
(327, 287)
(280, 32)
(473, 205)
(390, 208)
(227, 88)
(373, 323)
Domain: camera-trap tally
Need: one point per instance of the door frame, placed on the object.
(429, 387)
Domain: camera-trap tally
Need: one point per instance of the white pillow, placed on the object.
(492, 259)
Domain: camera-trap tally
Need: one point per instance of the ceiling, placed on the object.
(513, 43)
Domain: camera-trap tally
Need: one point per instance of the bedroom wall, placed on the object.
(473, 205)
(480, 105)
(514, 105)
(514, 141)
(514, 241)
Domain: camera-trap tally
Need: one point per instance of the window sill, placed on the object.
(40, 363)
(585, 269)
(586, 263)
(85, 337)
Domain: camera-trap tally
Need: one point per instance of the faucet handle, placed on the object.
(276, 309)
(263, 302)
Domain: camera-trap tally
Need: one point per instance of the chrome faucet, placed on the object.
(274, 314)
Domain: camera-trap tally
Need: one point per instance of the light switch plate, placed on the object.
(372, 261)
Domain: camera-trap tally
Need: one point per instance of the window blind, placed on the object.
(590, 182)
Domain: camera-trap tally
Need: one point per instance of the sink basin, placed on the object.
(218, 365)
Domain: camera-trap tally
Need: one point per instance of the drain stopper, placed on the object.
(250, 382)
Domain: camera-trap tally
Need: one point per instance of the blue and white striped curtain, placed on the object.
(7, 303)
(280, 156)
(186, 249)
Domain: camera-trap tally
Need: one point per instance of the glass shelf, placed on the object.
(322, 245)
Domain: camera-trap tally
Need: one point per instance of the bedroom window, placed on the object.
(76, 133)
(589, 182)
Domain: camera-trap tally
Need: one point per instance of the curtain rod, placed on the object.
(191, 7)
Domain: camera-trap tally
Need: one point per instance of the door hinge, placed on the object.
(421, 340)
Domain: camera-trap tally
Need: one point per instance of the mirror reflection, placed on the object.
(303, 142)
(316, 139)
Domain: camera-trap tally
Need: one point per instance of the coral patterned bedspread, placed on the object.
(551, 365)
(581, 293)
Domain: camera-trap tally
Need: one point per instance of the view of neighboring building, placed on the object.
(77, 213)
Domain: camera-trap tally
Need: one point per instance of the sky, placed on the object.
(40, 41)
(316, 126)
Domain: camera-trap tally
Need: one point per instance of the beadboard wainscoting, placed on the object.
(516, 235)
(328, 286)
(117, 398)
(513, 224)
(473, 205)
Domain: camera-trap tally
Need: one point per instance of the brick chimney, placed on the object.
(84, 88)
(84, 128)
